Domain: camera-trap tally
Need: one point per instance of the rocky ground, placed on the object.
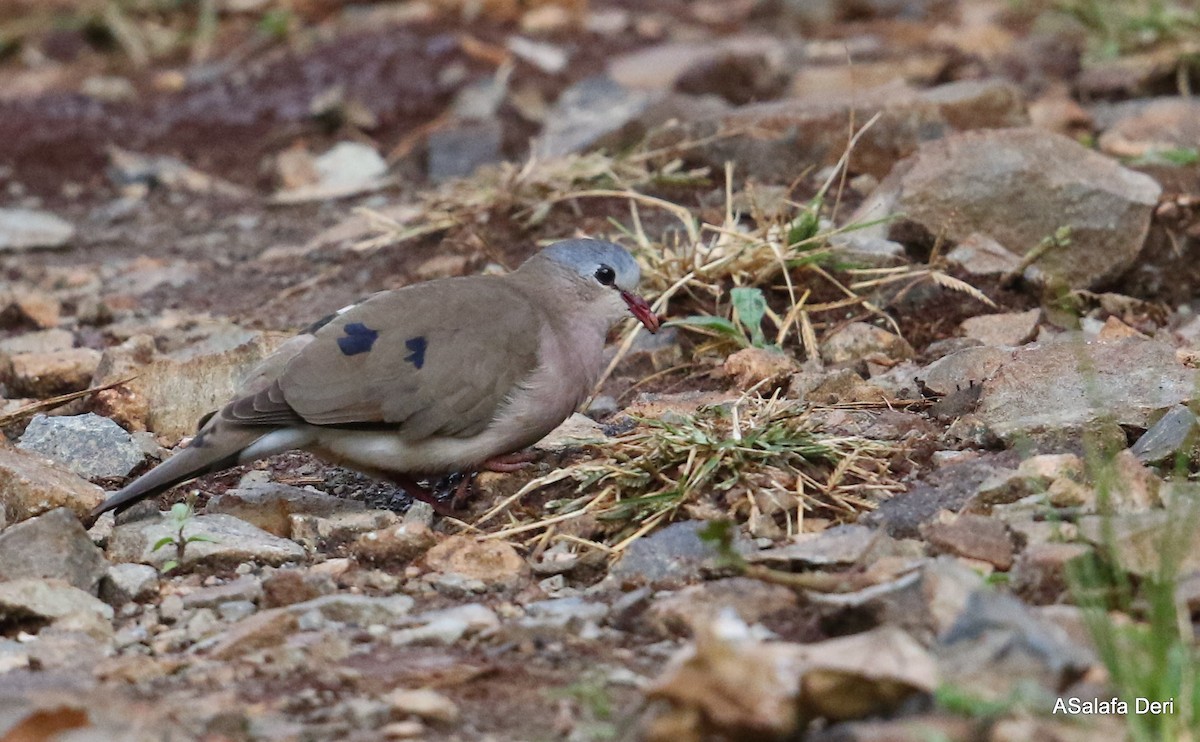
(913, 459)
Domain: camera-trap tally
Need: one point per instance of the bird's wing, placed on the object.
(430, 359)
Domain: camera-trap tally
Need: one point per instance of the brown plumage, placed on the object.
(428, 379)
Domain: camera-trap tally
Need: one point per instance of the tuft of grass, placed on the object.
(1117, 27)
(722, 458)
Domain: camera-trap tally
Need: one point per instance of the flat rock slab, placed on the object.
(24, 229)
(38, 602)
(1051, 390)
(30, 485)
(233, 542)
(53, 545)
(1020, 186)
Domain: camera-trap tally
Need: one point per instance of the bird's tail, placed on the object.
(217, 446)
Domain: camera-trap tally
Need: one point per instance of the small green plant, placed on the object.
(277, 23)
(1176, 157)
(744, 327)
(180, 517)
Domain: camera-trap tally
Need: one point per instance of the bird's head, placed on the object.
(602, 274)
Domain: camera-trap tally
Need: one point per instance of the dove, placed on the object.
(449, 375)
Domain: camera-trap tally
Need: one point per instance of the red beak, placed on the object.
(641, 309)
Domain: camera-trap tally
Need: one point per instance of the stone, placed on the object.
(676, 613)
(233, 542)
(52, 545)
(997, 644)
(30, 306)
(1139, 542)
(1005, 329)
(695, 67)
(773, 141)
(25, 229)
(573, 432)
(30, 486)
(860, 341)
(170, 393)
(1174, 436)
(672, 555)
(91, 446)
(494, 563)
(39, 341)
(768, 367)
(1147, 128)
(34, 603)
(458, 150)
(590, 112)
(43, 375)
(288, 586)
(1054, 391)
(962, 369)
(838, 546)
(973, 537)
(1020, 186)
(243, 588)
(561, 613)
(357, 610)
(980, 255)
(127, 583)
(347, 169)
(270, 505)
(1039, 574)
(398, 544)
(263, 630)
(424, 703)
(446, 626)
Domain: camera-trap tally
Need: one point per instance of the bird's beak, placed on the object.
(641, 309)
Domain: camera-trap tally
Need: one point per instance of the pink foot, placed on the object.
(509, 462)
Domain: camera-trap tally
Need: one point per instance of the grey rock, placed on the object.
(790, 135)
(359, 610)
(24, 229)
(93, 447)
(840, 545)
(235, 610)
(1173, 435)
(35, 603)
(233, 541)
(560, 613)
(243, 588)
(1020, 186)
(458, 150)
(980, 255)
(446, 626)
(39, 341)
(1005, 329)
(675, 554)
(997, 643)
(962, 369)
(347, 169)
(1055, 391)
(53, 545)
(587, 113)
(127, 583)
(859, 340)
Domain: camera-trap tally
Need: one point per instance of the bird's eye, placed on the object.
(606, 275)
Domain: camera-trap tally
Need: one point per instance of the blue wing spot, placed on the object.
(358, 339)
(417, 345)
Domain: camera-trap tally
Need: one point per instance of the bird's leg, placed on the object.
(509, 462)
(464, 490)
(417, 492)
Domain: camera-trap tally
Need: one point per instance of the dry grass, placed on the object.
(750, 459)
